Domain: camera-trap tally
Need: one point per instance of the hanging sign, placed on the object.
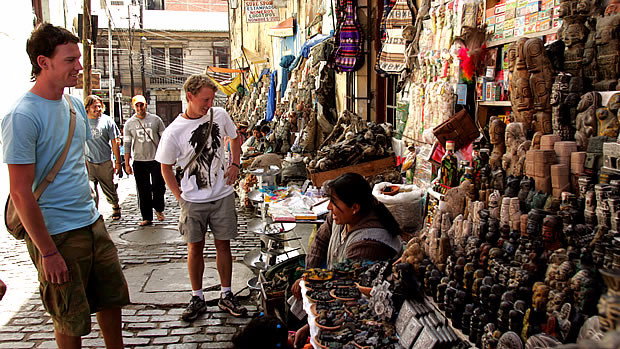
(261, 11)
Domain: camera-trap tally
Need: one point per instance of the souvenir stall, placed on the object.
(520, 245)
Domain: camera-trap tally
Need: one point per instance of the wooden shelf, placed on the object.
(515, 38)
(494, 104)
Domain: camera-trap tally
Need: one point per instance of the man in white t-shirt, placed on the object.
(195, 142)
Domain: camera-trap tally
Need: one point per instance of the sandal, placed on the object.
(160, 216)
(116, 213)
(145, 223)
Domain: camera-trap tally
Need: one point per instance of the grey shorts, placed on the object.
(219, 216)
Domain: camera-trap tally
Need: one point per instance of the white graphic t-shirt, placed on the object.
(203, 180)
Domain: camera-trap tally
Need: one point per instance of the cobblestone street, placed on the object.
(25, 324)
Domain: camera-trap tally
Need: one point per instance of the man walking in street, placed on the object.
(142, 134)
(77, 262)
(195, 140)
(100, 170)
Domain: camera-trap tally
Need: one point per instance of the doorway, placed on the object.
(168, 111)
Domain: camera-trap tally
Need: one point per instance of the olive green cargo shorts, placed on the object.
(97, 282)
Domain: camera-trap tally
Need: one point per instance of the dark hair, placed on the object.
(352, 188)
(43, 41)
(265, 129)
(262, 332)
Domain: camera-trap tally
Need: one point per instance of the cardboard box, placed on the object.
(557, 22)
(530, 28)
(533, 7)
(510, 14)
(545, 14)
(491, 29)
(545, 24)
(511, 5)
(480, 92)
(520, 22)
(490, 12)
(499, 19)
(509, 24)
(521, 11)
(556, 12)
(491, 20)
(499, 28)
(489, 91)
(500, 8)
(509, 33)
(530, 19)
(520, 31)
(546, 5)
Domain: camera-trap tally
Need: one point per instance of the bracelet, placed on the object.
(236, 165)
(51, 254)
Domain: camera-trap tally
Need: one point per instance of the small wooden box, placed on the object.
(365, 169)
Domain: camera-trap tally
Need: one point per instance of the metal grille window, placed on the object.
(155, 4)
(176, 61)
(390, 99)
(158, 61)
(220, 56)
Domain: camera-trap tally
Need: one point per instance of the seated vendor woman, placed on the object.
(358, 227)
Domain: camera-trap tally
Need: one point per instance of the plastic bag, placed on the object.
(406, 205)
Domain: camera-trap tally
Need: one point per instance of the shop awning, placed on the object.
(252, 56)
(284, 28)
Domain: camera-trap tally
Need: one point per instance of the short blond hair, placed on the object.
(89, 100)
(194, 83)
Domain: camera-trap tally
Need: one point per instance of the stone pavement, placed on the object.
(154, 263)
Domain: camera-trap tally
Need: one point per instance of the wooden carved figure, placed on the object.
(586, 123)
(541, 79)
(497, 130)
(520, 91)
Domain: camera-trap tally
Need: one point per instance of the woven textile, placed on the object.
(392, 58)
(348, 55)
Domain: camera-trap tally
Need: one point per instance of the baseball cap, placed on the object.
(138, 99)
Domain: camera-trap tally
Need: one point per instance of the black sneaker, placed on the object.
(230, 303)
(196, 307)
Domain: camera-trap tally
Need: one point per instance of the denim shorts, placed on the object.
(96, 279)
(220, 216)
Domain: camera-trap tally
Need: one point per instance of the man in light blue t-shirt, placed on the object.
(100, 170)
(78, 266)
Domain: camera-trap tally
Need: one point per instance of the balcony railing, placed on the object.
(168, 80)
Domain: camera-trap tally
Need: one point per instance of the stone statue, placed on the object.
(586, 123)
(515, 137)
(574, 37)
(497, 130)
(608, 117)
(607, 52)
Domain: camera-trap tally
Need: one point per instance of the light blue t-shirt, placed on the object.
(35, 132)
(103, 129)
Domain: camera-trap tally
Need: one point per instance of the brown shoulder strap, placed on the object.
(56, 168)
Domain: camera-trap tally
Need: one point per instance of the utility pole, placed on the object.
(110, 72)
(133, 91)
(142, 38)
(86, 58)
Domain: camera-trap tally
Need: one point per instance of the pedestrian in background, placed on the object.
(142, 133)
(104, 143)
(195, 141)
(77, 262)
